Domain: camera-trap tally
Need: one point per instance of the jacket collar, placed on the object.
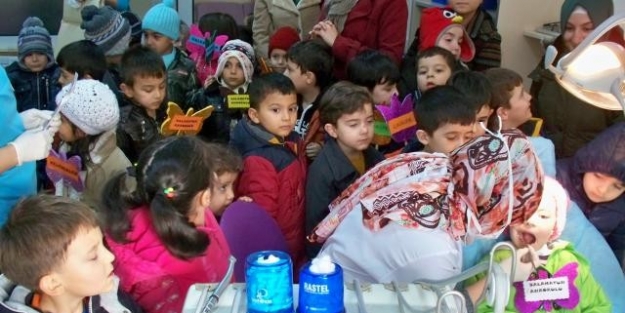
(340, 164)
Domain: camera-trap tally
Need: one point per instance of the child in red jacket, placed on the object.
(274, 163)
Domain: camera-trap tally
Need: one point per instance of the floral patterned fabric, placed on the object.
(467, 192)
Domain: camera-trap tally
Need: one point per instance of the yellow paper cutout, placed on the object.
(179, 123)
(238, 101)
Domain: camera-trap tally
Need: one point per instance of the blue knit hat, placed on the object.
(33, 37)
(163, 19)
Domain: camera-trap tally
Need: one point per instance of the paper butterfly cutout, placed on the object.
(179, 123)
(381, 133)
(569, 271)
(61, 168)
(206, 45)
(400, 118)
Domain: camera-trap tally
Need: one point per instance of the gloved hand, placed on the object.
(32, 145)
(33, 118)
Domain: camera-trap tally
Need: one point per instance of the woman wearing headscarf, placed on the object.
(351, 26)
(406, 219)
(568, 121)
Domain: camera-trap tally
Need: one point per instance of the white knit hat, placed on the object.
(91, 106)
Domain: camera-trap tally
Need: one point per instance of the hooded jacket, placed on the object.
(15, 298)
(35, 90)
(605, 154)
(568, 121)
(274, 176)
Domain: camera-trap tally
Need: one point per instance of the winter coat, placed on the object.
(270, 15)
(137, 130)
(274, 176)
(181, 79)
(605, 154)
(217, 127)
(330, 174)
(107, 160)
(568, 121)
(487, 41)
(154, 277)
(35, 90)
(371, 24)
(19, 181)
(17, 299)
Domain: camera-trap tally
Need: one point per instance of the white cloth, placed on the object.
(395, 253)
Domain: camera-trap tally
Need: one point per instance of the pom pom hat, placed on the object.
(33, 37)
(106, 28)
(163, 19)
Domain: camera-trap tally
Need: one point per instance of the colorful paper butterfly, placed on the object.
(569, 271)
(206, 45)
(57, 175)
(399, 109)
(169, 128)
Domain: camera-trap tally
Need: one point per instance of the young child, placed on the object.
(111, 32)
(35, 73)
(227, 165)
(310, 66)
(84, 58)
(540, 255)
(346, 112)
(435, 66)
(595, 179)
(233, 76)
(144, 86)
(162, 234)
(88, 121)
(444, 119)
(217, 24)
(274, 164)
(67, 268)
(477, 89)
(439, 27)
(377, 72)
(161, 27)
(279, 44)
(509, 98)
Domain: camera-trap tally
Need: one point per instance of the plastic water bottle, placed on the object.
(269, 279)
(321, 287)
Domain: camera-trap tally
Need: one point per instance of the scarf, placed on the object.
(337, 11)
(465, 193)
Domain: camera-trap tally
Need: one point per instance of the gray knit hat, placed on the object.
(33, 37)
(91, 106)
(106, 28)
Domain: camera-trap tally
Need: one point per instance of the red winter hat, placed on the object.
(434, 22)
(283, 38)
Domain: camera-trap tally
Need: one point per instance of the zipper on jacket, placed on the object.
(47, 80)
(38, 93)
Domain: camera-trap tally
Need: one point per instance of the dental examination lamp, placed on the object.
(593, 72)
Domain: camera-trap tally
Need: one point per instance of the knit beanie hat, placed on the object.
(33, 37)
(163, 19)
(598, 11)
(91, 106)
(135, 24)
(434, 22)
(243, 52)
(283, 38)
(106, 28)
(555, 196)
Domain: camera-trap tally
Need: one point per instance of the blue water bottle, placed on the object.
(269, 279)
(321, 287)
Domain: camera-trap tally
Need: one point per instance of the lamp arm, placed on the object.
(615, 90)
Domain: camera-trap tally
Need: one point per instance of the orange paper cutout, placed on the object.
(68, 170)
(402, 122)
(179, 123)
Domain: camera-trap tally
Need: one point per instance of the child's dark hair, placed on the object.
(219, 23)
(82, 146)
(169, 175)
(266, 84)
(35, 238)
(449, 58)
(141, 62)
(475, 86)
(370, 68)
(442, 105)
(83, 57)
(342, 98)
(224, 158)
(313, 56)
(503, 82)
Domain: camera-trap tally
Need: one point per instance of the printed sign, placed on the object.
(402, 122)
(238, 101)
(186, 123)
(546, 289)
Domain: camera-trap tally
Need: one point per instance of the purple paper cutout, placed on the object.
(56, 176)
(569, 271)
(397, 109)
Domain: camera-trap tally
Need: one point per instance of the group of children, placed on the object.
(299, 142)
